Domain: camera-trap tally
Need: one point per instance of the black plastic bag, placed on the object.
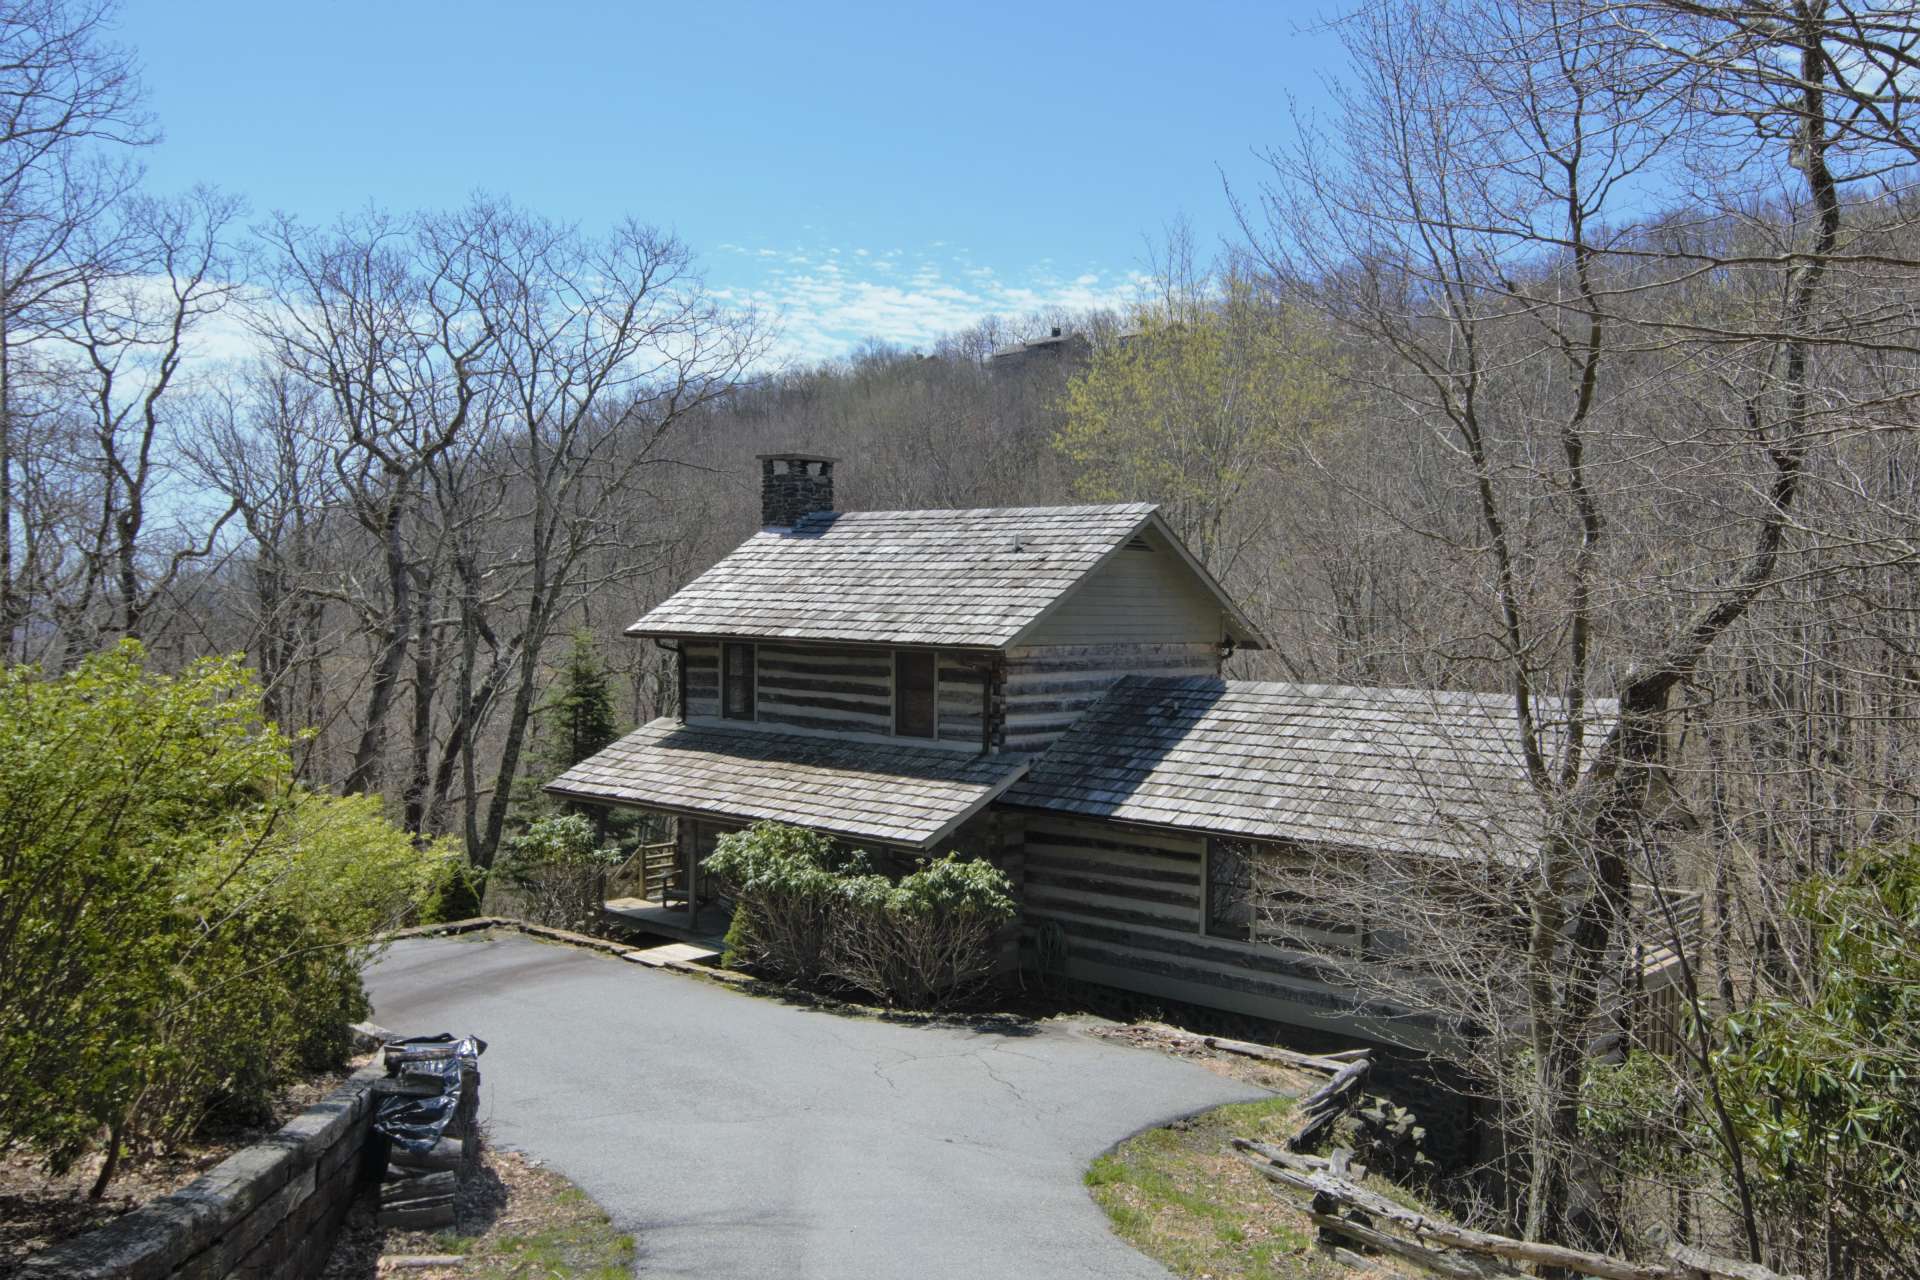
(431, 1068)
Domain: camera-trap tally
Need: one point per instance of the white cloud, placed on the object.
(825, 301)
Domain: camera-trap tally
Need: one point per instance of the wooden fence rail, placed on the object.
(1345, 1210)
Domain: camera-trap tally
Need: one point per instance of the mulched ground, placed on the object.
(1287, 1081)
(38, 1209)
(513, 1217)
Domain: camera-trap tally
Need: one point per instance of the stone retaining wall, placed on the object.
(268, 1212)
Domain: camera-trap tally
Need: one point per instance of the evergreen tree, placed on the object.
(580, 717)
(576, 720)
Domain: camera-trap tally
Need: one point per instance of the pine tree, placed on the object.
(580, 717)
(575, 720)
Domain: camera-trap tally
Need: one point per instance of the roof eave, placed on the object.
(724, 815)
(639, 632)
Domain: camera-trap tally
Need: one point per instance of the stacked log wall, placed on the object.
(1128, 905)
(702, 661)
(841, 689)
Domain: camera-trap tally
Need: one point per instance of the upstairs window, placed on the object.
(736, 681)
(915, 710)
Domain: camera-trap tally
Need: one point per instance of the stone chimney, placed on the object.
(793, 485)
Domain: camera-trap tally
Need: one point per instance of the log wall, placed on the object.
(962, 698)
(702, 661)
(843, 689)
(1123, 906)
(837, 689)
(1048, 686)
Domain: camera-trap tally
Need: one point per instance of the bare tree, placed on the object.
(604, 347)
(1470, 222)
(68, 99)
(264, 444)
(383, 323)
(131, 331)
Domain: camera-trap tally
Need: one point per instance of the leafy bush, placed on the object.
(929, 940)
(809, 910)
(556, 866)
(1826, 1090)
(783, 881)
(181, 925)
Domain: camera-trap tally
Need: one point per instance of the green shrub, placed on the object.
(812, 911)
(557, 868)
(1826, 1091)
(928, 941)
(783, 883)
(181, 926)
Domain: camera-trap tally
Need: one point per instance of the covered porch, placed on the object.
(658, 889)
(712, 779)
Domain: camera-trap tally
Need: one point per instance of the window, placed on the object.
(1230, 896)
(1260, 892)
(736, 681)
(915, 706)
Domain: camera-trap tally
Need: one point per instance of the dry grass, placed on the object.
(514, 1219)
(1181, 1197)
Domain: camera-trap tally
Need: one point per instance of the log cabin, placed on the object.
(1042, 687)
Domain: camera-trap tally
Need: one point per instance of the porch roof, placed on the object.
(888, 792)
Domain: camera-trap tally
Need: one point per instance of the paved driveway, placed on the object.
(739, 1137)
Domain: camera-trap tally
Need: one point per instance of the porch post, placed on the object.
(693, 878)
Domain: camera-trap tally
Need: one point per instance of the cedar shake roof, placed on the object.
(970, 579)
(1388, 769)
(878, 791)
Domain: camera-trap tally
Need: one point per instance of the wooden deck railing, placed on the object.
(653, 872)
(1669, 923)
(1666, 921)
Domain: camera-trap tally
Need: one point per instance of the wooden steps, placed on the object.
(674, 955)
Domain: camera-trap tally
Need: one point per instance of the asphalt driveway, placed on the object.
(739, 1137)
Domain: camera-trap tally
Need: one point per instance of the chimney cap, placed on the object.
(795, 455)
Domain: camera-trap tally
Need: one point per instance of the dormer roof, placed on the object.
(981, 578)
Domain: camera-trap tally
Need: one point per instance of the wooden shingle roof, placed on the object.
(1389, 769)
(879, 791)
(974, 579)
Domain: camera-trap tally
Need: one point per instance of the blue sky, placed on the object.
(864, 170)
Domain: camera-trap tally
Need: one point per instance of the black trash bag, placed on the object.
(431, 1067)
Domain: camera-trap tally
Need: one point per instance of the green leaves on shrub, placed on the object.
(810, 910)
(181, 925)
(556, 866)
(951, 886)
(1826, 1092)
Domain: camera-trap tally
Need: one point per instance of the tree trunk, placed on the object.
(395, 635)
